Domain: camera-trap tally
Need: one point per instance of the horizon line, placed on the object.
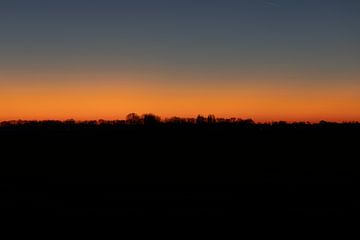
(172, 118)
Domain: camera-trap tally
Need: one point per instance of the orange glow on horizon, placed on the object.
(110, 99)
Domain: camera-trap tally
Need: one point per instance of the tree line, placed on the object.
(153, 119)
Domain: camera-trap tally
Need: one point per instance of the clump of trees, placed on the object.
(146, 119)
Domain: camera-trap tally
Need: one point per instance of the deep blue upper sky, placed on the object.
(187, 35)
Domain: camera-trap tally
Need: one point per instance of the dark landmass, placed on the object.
(203, 166)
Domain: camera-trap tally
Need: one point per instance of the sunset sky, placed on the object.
(293, 60)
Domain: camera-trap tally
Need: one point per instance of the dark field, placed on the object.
(233, 169)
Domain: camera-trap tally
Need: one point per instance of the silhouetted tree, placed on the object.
(101, 121)
(211, 119)
(151, 119)
(200, 119)
(133, 118)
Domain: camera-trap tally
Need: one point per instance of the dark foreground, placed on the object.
(180, 169)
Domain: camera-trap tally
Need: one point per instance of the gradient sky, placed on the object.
(294, 60)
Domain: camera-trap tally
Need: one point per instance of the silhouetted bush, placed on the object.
(176, 120)
(151, 119)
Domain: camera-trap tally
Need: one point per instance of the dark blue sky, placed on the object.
(191, 35)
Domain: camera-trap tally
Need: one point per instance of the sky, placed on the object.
(269, 60)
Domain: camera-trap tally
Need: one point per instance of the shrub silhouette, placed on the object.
(176, 120)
